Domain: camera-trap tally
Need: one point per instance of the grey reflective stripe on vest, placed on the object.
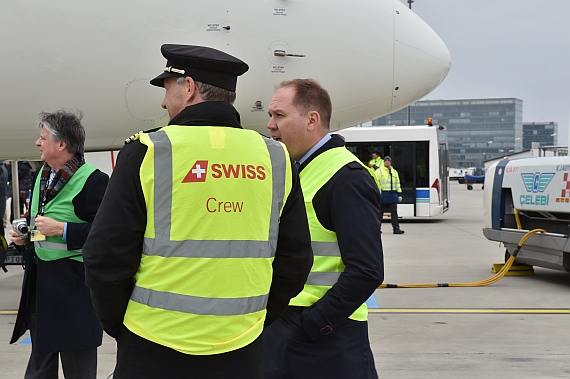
(324, 249)
(161, 245)
(162, 184)
(323, 278)
(206, 249)
(279, 169)
(54, 246)
(199, 305)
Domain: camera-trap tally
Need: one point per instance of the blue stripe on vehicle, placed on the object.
(498, 198)
(422, 194)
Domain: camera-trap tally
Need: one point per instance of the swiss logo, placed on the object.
(197, 173)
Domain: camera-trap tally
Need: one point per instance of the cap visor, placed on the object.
(159, 80)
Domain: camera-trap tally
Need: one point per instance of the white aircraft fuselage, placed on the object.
(373, 56)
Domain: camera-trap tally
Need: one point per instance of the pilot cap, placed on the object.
(203, 64)
(387, 158)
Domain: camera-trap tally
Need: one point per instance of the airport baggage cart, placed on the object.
(474, 179)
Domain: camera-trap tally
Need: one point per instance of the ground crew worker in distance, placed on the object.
(391, 192)
(376, 161)
(324, 332)
(203, 236)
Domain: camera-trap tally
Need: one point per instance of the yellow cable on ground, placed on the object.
(485, 282)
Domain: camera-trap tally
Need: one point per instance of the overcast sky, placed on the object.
(506, 48)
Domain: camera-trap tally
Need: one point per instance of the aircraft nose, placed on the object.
(421, 59)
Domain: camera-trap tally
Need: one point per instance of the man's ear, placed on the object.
(62, 146)
(313, 119)
(192, 94)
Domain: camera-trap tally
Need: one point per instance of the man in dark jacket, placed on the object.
(3, 193)
(191, 333)
(55, 303)
(324, 332)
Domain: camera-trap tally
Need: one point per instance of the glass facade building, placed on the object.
(477, 129)
(544, 133)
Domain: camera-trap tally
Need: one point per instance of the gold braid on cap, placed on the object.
(176, 70)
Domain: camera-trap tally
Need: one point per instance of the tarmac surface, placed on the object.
(518, 327)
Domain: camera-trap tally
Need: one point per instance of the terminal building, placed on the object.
(477, 129)
(545, 133)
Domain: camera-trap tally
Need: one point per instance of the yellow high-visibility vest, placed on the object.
(327, 264)
(214, 196)
(378, 162)
(389, 179)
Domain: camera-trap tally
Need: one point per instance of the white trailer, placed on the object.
(525, 194)
(459, 173)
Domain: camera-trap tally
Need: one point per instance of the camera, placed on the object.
(20, 226)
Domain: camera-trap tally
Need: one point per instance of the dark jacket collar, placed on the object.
(208, 113)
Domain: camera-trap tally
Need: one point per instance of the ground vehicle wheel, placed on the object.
(469, 187)
(482, 187)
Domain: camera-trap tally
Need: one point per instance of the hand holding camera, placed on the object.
(20, 226)
(20, 231)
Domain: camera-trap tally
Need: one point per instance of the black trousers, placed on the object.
(138, 358)
(76, 365)
(393, 209)
(291, 354)
(80, 364)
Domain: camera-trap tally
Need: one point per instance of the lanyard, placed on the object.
(43, 200)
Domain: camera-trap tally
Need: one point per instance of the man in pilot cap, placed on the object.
(202, 237)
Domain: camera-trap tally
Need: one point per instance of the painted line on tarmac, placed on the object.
(564, 311)
(9, 312)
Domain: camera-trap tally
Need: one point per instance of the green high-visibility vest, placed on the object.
(61, 209)
(214, 196)
(327, 264)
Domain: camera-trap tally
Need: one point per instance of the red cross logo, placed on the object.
(197, 173)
